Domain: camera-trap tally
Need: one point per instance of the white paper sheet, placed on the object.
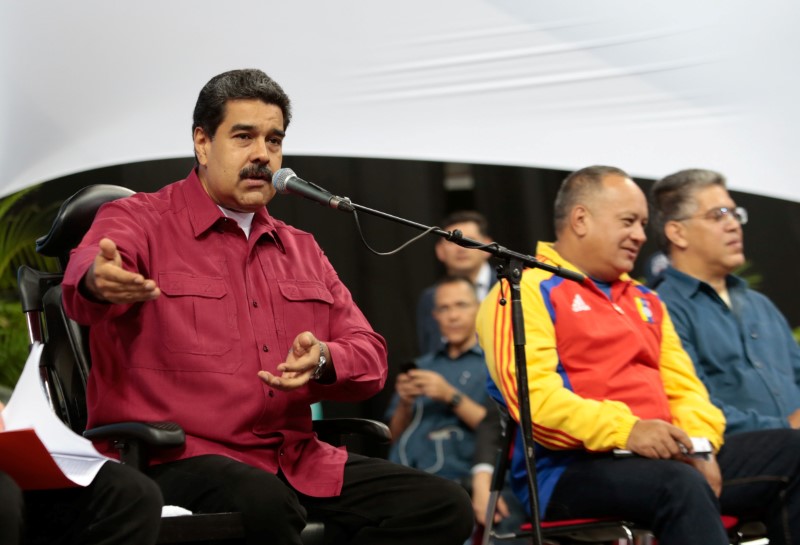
(29, 408)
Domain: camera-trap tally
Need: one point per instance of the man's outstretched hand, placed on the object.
(107, 281)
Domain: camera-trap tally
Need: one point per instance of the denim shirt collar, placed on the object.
(442, 351)
(689, 286)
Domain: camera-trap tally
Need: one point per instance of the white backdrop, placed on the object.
(647, 85)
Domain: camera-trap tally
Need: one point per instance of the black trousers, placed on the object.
(381, 502)
(761, 479)
(121, 506)
(11, 511)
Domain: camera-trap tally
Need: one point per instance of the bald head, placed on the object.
(580, 187)
(602, 225)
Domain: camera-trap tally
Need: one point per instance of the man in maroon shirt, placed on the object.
(206, 311)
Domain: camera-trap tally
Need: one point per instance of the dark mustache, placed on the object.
(259, 172)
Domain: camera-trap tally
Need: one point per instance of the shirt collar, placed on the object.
(476, 349)
(204, 212)
(244, 219)
(484, 277)
(687, 286)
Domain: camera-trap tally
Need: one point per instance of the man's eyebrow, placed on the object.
(250, 128)
(242, 127)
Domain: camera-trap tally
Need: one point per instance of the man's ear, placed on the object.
(201, 143)
(579, 220)
(675, 232)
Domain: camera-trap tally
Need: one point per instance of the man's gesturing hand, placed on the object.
(107, 281)
(299, 365)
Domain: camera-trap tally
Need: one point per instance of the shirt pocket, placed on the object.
(307, 307)
(196, 315)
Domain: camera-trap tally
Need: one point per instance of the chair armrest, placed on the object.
(32, 285)
(134, 439)
(331, 430)
(156, 434)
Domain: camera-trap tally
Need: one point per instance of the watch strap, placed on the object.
(319, 370)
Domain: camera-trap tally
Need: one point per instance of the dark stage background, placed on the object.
(517, 201)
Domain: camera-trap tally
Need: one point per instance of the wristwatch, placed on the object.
(455, 400)
(319, 370)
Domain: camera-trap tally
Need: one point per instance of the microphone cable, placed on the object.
(390, 252)
(408, 242)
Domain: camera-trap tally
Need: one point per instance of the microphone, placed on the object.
(286, 181)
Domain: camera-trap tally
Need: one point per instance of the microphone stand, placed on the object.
(513, 263)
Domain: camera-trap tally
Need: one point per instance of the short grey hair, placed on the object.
(673, 199)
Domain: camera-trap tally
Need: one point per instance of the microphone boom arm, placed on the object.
(513, 265)
(456, 237)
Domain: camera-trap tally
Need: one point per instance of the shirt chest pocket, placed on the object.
(307, 307)
(196, 315)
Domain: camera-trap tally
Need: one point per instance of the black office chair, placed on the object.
(66, 362)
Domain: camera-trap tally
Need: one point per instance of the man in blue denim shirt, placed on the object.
(438, 404)
(742, 346)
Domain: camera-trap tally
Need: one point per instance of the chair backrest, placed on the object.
(65, 360)
(74, 219)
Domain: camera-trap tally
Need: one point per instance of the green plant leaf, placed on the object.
(22, 221)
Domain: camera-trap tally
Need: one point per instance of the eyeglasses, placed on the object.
(722, 213)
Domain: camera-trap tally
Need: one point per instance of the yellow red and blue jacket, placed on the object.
(596, 365)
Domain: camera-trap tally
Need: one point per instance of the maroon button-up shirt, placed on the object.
(230, 307)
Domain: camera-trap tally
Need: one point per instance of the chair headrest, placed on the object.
(75, 217)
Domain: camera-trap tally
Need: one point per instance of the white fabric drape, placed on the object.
(646, 85)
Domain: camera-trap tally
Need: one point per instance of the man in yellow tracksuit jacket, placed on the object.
(607, 371)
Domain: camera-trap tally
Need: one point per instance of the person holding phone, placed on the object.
(439, 398)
